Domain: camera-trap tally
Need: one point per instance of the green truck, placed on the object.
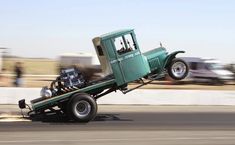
(121, 61)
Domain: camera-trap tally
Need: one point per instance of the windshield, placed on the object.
(214, 66)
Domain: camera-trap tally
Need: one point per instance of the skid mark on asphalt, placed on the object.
(110, 117)
(55, 118)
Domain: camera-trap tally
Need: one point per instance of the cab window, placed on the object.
(130, 42)
(124, 44)
(100, 51)
(120, 45)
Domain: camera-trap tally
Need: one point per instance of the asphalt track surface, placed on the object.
(121, 124)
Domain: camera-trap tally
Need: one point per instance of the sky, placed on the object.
(48, 28)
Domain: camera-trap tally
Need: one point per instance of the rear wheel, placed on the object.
(82, 107)
(178, 69)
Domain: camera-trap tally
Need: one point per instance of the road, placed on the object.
(122, 124)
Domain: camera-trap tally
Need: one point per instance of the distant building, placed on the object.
(88, 64)
(81, 59)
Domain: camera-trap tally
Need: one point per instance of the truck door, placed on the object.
(129, 58)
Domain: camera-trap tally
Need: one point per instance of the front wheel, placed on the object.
(178, 69)
(82, 107)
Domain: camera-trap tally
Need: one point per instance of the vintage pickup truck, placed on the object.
(122, 62)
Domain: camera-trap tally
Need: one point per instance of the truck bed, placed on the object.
(103, 83)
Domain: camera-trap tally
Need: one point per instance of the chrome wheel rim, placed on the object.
(178, 69)
(82, 109)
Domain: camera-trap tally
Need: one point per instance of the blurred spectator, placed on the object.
(18, 69)
(1, 78)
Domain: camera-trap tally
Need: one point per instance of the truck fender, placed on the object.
(171, 56)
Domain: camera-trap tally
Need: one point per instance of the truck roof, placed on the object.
(115, 33)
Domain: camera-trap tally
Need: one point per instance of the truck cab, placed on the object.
(119, 54)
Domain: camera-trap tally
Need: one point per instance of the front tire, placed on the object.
(82, 107)
(178, 69)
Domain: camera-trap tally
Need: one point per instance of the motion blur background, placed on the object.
(47, 35)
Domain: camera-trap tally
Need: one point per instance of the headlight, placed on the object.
(45, 92)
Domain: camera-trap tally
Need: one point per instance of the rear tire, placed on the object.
(178, 69)
(82, 107)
